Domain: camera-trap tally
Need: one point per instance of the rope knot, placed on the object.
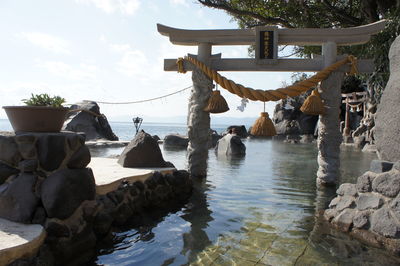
(353, 61)
(181, 68)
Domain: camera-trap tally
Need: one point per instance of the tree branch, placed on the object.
(343, 15)
(240, 13)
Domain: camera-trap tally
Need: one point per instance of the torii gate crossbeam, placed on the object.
(266, 39)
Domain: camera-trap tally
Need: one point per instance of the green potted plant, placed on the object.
(42, 113)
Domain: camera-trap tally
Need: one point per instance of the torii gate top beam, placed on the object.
(266, 40)
(307, 36)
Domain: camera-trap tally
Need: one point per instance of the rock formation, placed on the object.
(387, 121)
(90, 121)
(230, 144)
(143, 151)
(240, 131)
(44, 180)
(176, 141)
(289, 120)
(43, 175)
(370, 209)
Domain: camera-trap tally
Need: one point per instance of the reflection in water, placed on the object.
(262, 208)
(198, 215)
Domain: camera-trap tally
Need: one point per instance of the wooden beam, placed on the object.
(285, 65)
(306, 36)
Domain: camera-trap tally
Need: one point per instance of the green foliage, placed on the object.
(352, 84)
(44, 100)
(325, 14)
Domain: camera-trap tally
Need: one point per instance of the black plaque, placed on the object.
(266, 44)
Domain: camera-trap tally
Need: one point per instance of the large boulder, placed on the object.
(143, 151)
(230, 145)
(90, 121)
(6, 171)
(176, 140)
(18, 201)
(63, 191)
(289, 120)
(387, 121)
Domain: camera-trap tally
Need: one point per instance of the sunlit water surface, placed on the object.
(261, 209)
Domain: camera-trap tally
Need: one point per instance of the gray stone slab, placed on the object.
(109, 174)
(361, 220)
(388, 184)
(19, 240)
(344, 220)
(383, 223)
(347, 189)
(345, 202)
(364, 182)
(368, 201)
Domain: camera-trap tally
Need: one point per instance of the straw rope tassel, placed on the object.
(216, 103)
(263, 127)
(313, 105)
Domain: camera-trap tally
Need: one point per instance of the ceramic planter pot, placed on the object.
(36, 118)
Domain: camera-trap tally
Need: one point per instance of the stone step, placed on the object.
(19, 240)
(109, 174)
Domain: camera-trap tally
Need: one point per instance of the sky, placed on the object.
(110, 50)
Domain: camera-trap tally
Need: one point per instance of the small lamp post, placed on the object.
(137, 122)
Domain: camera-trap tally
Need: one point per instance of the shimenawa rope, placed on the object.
(268, 95)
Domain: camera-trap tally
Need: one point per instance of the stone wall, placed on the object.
(43, 176)
(44, 180)
(76, 237)
(370, 209)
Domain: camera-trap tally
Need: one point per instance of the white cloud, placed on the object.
(127, 7)
(47, 41)
(121, 48)
(80, 72)
(134, 62)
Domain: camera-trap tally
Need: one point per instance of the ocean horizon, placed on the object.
(126, 130)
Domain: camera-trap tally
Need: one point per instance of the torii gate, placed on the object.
(267, 40)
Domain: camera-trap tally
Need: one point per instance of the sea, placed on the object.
(263, 208)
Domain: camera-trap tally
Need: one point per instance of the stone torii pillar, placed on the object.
(329, 136)
(266, 39)
(199, 120)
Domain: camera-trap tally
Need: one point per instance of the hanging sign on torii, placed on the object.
(266, 40)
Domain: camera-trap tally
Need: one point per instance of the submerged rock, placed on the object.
(176, 140)
(143, 151)
(90, 121)
(230, 145)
